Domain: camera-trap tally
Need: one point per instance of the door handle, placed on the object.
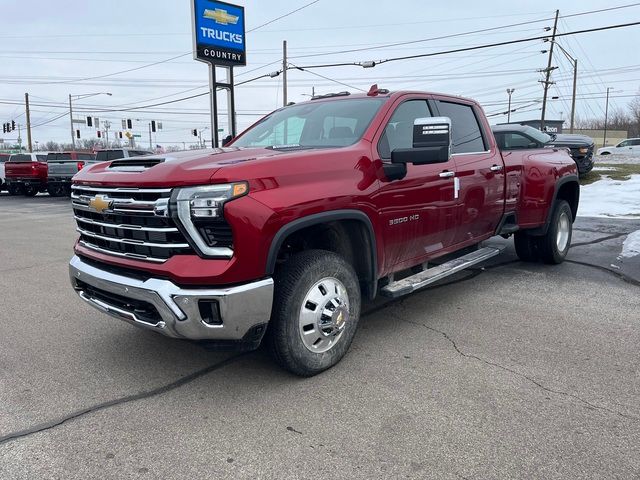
(447, 174)
(496, 168)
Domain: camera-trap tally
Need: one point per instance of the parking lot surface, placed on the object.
(512, 370)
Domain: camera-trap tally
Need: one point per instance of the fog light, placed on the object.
(210, 312)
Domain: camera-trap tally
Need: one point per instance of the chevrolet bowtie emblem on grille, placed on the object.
(100, 203)
(221, 16)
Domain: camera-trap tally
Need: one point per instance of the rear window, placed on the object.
(109, 155)
(58, 156)
(4, 158)
(86, 156)
(20, 158)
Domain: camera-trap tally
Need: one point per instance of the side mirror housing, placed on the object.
(431, 142)
(226, 140)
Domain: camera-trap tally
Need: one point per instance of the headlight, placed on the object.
(195, 205)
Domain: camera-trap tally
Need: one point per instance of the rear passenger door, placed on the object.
(479, 170)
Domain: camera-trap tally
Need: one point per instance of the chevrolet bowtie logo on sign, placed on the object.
(221, 16)
(100, 203)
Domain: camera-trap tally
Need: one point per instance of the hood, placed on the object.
(570, 140)
(172, 169)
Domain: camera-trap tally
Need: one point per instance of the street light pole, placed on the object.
(606, 116)
(509, 92)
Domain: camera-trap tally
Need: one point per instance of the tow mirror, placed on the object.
(431, 142)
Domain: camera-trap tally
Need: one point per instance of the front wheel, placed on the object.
(315, 312)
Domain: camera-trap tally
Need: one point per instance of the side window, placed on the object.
(624, 144)
(517, 141)
(399, 131)
(465, 129)
(635, 143)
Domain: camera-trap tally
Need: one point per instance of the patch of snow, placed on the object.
(634, 159)
(631, 245)
(604, 169)
(611, 198)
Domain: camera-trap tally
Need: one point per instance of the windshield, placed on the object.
(538, 135)
(313, 125)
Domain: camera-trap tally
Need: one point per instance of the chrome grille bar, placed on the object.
(120, 189)
(136, 228)
(134, 256)
(130, 241)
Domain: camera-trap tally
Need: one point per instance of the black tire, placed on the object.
(56, 190)
(526, 247)
(14, 189)
(294, 283)
(554, 246)
(30, 191)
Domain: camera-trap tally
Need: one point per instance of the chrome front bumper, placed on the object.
(244, 310)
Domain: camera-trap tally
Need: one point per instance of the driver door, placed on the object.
(417, 213)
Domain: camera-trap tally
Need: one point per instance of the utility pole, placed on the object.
(150, 142)
(509, 92)
(284, 73)
(547, 80)
(107, 126)
(573, 95)
(606, 116)
(73, 134)
(26, 103)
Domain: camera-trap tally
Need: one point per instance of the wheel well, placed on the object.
(348, 238)
(570, 192)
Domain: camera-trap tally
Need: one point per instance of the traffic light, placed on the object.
(99, 134)
(13, 125)
(89, 122)
(119, 134)
(153, 126)
(194, 132)
(77, 133)
(129, 124)
(4, 128)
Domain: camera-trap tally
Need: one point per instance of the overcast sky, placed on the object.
(47, 48)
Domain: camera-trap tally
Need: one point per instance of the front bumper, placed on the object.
(162, 306)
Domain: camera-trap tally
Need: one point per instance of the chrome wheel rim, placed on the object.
(564, 229)
(323, 315)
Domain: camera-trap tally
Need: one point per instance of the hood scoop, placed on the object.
(135, 164)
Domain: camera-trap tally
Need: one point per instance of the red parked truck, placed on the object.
(315, 208)
(26, 173)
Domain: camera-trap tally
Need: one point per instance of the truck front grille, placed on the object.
(127, 222)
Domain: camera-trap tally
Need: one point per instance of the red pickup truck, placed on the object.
(26, 173)
(312, 210)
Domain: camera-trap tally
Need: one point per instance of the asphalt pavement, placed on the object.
(510, 370)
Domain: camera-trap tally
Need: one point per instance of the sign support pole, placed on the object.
(213, 95)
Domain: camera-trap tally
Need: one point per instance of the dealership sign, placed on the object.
(218, 33)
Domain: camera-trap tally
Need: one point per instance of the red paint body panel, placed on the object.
(33, 171)
(290, 185)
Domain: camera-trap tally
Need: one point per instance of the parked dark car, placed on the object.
(518, 137)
